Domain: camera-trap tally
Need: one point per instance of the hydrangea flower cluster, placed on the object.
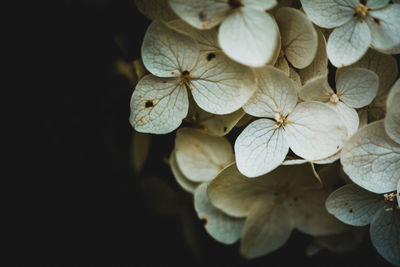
(261, 67)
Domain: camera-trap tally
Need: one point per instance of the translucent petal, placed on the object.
(235, 194)
(348, 43)
(385, 66)
(385, 234)
(267, 228)
(348, 115)
(207, 39)
(294, 76)
(357, 87)
(308, 211)
(200, 156)
(221, 86)
(140, 150)
(166, 52)
(371, 159)
(249, 36)
(315, 131)
(158, 105)
(275, 93)
(282, 65)
(328, 13)
(185, 183)
(220, 226)
(363, 117)
(260, 148)
(155, 9)
(354, 205)
(392, 119)
(299, 38)
(203, 14)
(385, 27)
(319, 66)
(316, 89)
(260, 4)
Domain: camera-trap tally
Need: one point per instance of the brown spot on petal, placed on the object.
(204, 221)
(202, 16)
(149, 104)
(377, 21)
(210, 56)
(351, 210)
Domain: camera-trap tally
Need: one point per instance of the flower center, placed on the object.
(362, 10)
(185, 79)
(280, 120)
(390, 197)
(334, 99)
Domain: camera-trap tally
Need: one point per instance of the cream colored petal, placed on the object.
(371, 159)
(294, 76)
(166, 52)
(299, 38)
(282, 65)
(158, 105)
(348, 115)
(199, 156)
(187, 185)
(262, 5)
(156, 9)
(316, 89)
(249, 36)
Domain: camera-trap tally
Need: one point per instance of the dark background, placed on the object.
(74, 197)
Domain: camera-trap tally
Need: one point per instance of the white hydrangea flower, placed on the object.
(222, 227)
(358, 24)
(287, 198)
(160, 101)
(385, 66)
(247, 33)
(198, 157)
(312, 129)
(356, 206)
(355, 88)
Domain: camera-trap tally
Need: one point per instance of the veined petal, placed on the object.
(156, 9)
(249, 36)
(299, 38)
(158, 105)
(315, 131)
(385, 27)
(357, 87)
(166, 52)
(220, 226)
(201, 156)
(267, 228)
(221, 86)
(316, 89)
(385, 234)
(371, 159)
(328, 13)
(348, 115)
(348, 43)
(392, 119)
(260, 148)
(203, 14)
(354, 205)
(276, 93)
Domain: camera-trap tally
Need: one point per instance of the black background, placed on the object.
(73, 196)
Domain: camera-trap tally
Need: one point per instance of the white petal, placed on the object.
(299, 38)
(188, 185)
(200, 156)
(275, 93)
(374, 4)
(316, 89)
(249, 36)
(155, 9)
(221, 86)
(357, 87)
(260, 148)
(315, 131)
(354, 205)
(348, 43)
(260, 4)
(220, 226)
(385, 27)
(203, 14)
(158, 105)
(207, 39)
(348, 115)
(166, 52)
(319, 66)
(140, 150)
(328, 13)
(392, 119)
(309, 214)
(372, 159)
(267, 228)
(385, 234)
